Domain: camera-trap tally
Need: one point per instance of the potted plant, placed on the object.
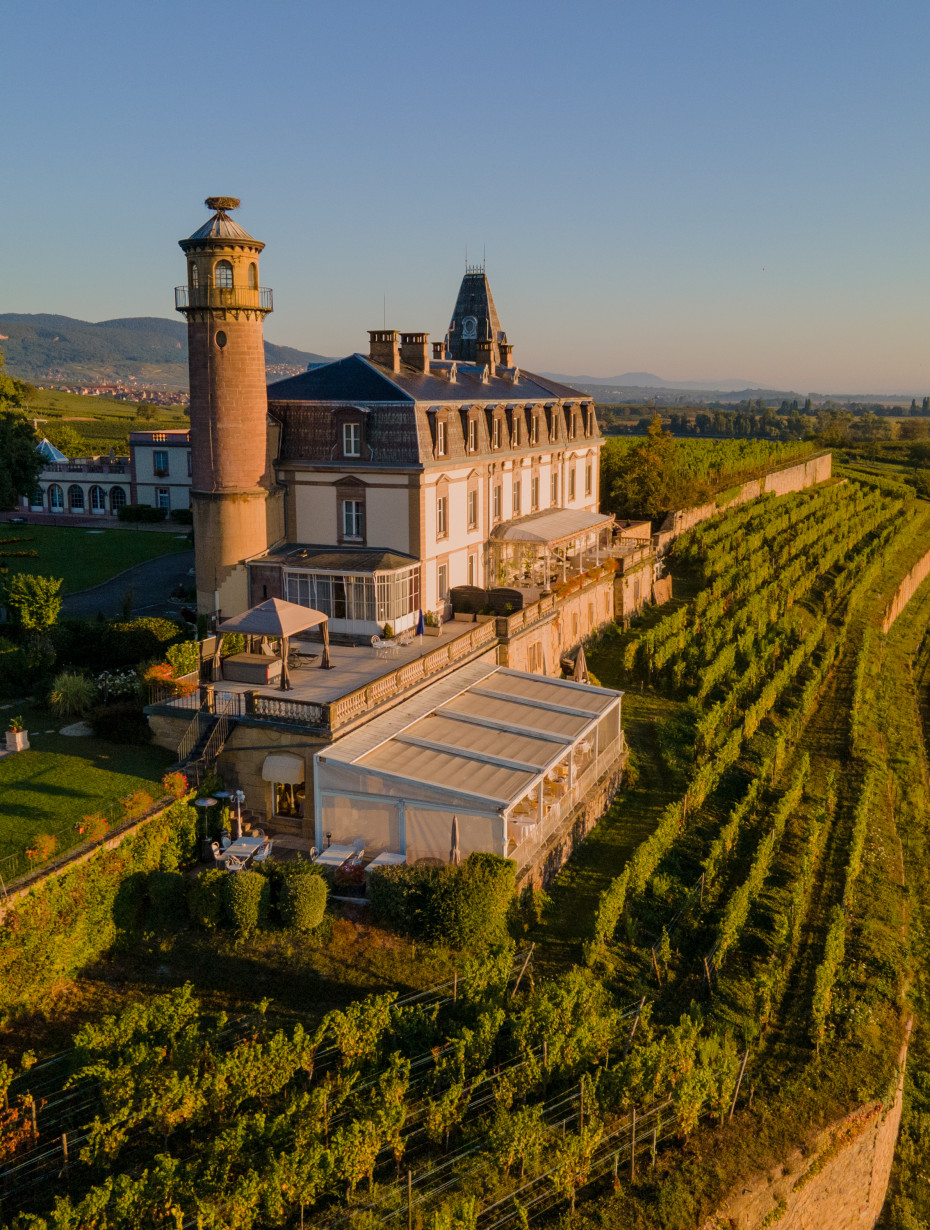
(465, 613)
(17, 737)
(485, 614)
(431, 624)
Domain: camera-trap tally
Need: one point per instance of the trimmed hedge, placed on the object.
(67, 921)
(206, 895)
(166, 892)
(121, 723)
(141, 512)
(248, 899)
(302, 901)
(465, 906)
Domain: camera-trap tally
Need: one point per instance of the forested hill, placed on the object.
(58, 349)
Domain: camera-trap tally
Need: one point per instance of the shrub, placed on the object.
(141, 512)
(181, 845)
(463, 906)
(247, 897)
(72, 694)
(136, 804)
(183, 516)
(205, 897)
(166, 898)
(135, 640)
(122, 723)
(184, 657)
(43, 847)
(15, 673)
(94, 827)
(34, 601)
(175, 784)
(302, 901)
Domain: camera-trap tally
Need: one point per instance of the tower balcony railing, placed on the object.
(248, 298)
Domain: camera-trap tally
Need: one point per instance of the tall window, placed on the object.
(440, 439)
(442, 582)
(590, 428)
(571, 481)
(554, 490)
(473, 570)
(351, 439)
(516, 497)
(353, 519)
(162, 497)
(473, 510)
(588, 474)
(472, 435)
(496, 434)
(76, 499)
(118, 498)
(195, 276)
(36, 502)
(253, 276)
(98, 500)
(160, 462)
(496, 501)
(442, 517)
(534, 493)
(534, 429)
(516, 431)
(571, 424)
(223, 275)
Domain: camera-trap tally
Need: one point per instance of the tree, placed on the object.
(650, 477)
(64, 437)
(913, 429)
(34, 601)
(145, 412)
(19, 462)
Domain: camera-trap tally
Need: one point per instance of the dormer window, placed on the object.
(472, 435)
(223, 275)
(440, 439)
(496, 434)
(571, 424)
(590, 428)
(534, 429)
(352, 439)
(516, 432)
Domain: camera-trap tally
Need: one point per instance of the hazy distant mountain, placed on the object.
(648, 380)
(58, 349)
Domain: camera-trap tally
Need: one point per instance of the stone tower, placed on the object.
(238, 510)
(475, 334)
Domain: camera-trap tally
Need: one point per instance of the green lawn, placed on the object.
(60, 779)
(85, 557)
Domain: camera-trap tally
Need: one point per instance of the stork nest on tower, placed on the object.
(222, 203)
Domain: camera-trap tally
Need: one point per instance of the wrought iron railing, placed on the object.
(250, 298)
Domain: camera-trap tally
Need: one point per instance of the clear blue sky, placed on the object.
(704, 191)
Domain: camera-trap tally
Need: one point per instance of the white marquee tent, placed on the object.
(506, 753)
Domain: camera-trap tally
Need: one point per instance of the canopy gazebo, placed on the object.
(546, 546)
(279, 620)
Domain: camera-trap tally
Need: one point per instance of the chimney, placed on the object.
(485, 354)
(439, 350)
(414, 350)
(506, 349)
(382, 348)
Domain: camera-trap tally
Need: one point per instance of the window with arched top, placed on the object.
(56, 499)
(253, 276)
(37, 500)
(98, 500)
(223, 275)
(118, 498)
(195, 276)
(76, 498)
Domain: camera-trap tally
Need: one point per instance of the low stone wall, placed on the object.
(906, 591)
(555, 853)
(839, 1185)
(795, 476)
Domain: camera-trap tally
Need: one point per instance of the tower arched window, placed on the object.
(253, 276)
(195, 276)
(76, 498)
(223, 275)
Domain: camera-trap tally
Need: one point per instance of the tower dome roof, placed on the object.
(221, 226)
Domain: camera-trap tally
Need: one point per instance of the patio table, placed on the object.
(386, 859)
(335, 856)
(245, 847)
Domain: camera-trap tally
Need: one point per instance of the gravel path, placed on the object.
(151, 583)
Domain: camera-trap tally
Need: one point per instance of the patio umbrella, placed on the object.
(421, 624)
(580, 674)
(455, 856)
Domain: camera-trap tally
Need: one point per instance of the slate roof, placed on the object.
(342, 559)
(358, 379)
(476, 302)
(221, 226)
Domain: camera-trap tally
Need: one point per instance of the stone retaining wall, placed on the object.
(906, 591)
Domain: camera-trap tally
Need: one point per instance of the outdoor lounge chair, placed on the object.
(225, 840)
(262, 853)
(233, 863)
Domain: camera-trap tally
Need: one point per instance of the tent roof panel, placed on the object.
(537, 688)
(520, 716)
(445, 769)
(485, 740)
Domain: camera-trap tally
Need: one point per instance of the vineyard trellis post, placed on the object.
(409, 1200)
(629, 1041)
(655, 966)
(739, 1081)
(64, 1152)
(710, 989)
(633, 1147)
(522, 970)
